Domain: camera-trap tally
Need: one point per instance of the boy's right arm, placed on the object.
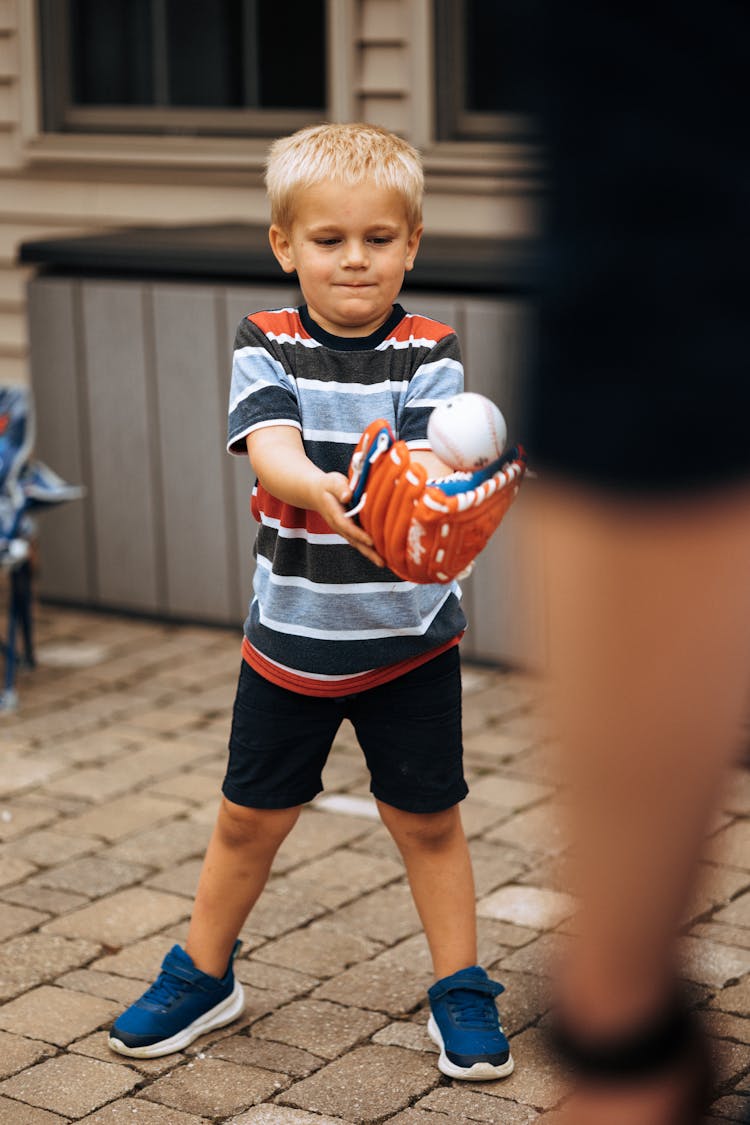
(283, 468)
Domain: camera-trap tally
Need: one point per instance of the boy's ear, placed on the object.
(412, 245)
(282, 248)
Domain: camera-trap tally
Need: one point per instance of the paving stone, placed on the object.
(537, 830)
(715, 886)
(535, 907)
(124, 916)
(495, 865)
(524, 1002)
(13, 869)
(724, 935)
(165, 846)
(713, 964)
(730, 1061)
(18, 920)
(70, 1084)
(195, 786)
(323, 1028)
(509, 792)
(378, 987)
(17, 1052)
(282, 907)
(315, 834)
(94, 783)
(731, 846)
(15, 1113)
(386, 915)
(537, 1079)
(540, 957)
(123, 816)
(721, 1025)
(736, 998)
(132, 1111)
(97, 746)
(96, 1046)
(478, 817)
(43, 899)
(92, 876)
(47, 848)
(106, 985)
(55, 1015)
(267, 1054)
(214, 1088)
(285, 983)
(418, 1117)
(23, 771)
(466, 1105)
(141, 960)
(20, 815)
(404, 1033)
(321, 948)
(28, 960)
(182, 879)
(281, 1115)
(737, 913)
(365, 1085)
(732, 1108)
(343, 876)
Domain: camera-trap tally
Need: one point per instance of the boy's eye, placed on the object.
(326, 241)
(381, 239)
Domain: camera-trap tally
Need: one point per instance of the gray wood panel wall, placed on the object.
(130, 381)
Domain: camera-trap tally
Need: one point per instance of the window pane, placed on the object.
(292, 61)
(112, 52)
(496, 79)
(204, 53)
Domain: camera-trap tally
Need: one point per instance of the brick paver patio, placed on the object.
(109, 778)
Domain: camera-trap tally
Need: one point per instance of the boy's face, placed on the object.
(350, 247)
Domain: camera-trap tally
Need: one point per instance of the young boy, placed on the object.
(331, 633)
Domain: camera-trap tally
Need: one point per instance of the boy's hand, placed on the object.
(334, 494)
(427, 530)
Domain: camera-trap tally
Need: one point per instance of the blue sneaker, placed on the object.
(465, 1026)
(180, 1005)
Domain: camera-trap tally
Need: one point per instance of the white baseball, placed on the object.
(467, 431)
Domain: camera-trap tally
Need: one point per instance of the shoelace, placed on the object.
(165, 988)
(472, 1009)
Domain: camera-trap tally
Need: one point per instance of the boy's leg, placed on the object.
(436, 856)
(410, 731)
(278, 746)
(235, 869)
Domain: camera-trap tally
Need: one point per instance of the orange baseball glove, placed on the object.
(427, 530)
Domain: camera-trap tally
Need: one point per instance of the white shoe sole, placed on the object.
(219, 1016)
(479, 1072)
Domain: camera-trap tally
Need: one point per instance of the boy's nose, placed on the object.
(355, 255)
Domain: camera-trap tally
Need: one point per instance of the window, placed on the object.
(482, 87)
(182, 66)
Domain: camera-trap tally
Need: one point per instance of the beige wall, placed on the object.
(58, 185)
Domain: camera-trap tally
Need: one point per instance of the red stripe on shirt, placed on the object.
(308, 685)
(287, 514)
(280, 322)
(421, 328)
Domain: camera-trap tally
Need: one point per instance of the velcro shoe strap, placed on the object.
(188, 975)
(488, 987)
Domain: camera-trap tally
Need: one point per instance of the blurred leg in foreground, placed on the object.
(650, 627)
(637, 426)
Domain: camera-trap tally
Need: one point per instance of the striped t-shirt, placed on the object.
(323, 619)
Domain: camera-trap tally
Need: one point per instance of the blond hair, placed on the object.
(344, 153)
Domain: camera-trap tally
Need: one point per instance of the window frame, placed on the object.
(60, 116)
(454, 123)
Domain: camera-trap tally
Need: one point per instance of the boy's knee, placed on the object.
(239, 825)
(422, 830)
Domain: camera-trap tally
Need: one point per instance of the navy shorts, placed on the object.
(409, 730)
